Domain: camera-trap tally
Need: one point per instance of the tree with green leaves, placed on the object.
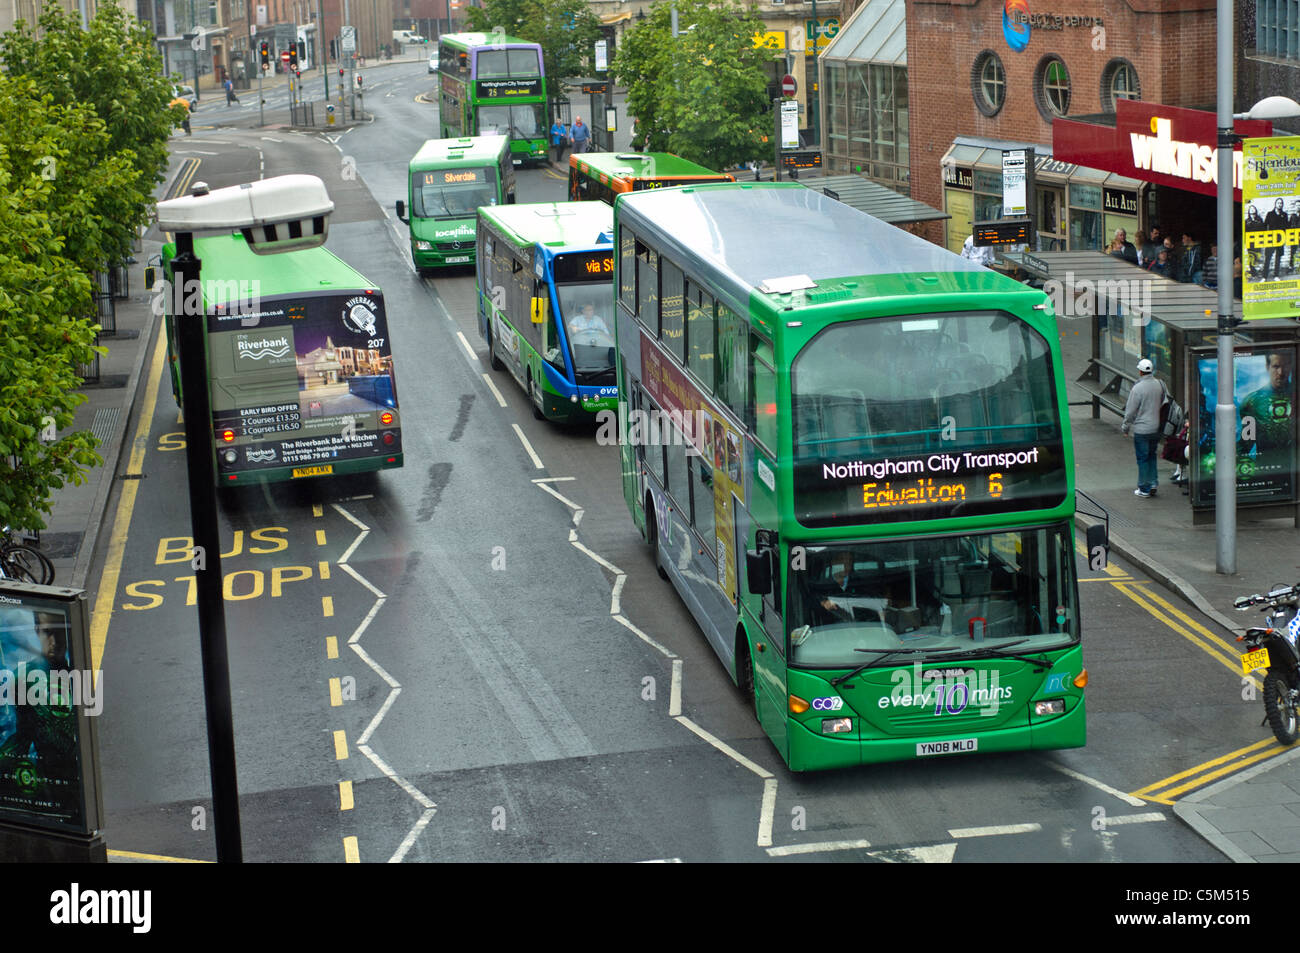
(703, 94)
(567, 31)
(113, 68)
(50, 189)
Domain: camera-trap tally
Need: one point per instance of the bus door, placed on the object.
(769, 661)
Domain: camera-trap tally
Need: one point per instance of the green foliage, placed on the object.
(114, 69)
(566, 29)
(703, 95)
(44, 296)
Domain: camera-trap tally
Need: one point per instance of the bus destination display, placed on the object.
(587, 266)
(455, 176)
(640, 185)
(508, 88)
(929, 486)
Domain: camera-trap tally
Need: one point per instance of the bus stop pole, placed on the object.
(192, 338)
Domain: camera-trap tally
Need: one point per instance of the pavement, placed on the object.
(1254, 815)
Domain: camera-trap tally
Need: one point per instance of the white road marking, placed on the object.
(1134, 818)
(725, 748)
(675, 693)
(995, 830)
(537, 461)
(567, 502)
(1100, 786)
(473, 356)
(767, 812)
(623, 621)
(493, 387)
(790, 850)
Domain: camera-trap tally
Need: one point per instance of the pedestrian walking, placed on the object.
(579, 136)
(230, 93)
(1142, 417)
(559, 138)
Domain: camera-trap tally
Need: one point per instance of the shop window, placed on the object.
(1119, 80)
(1052, 87)
(989, 83)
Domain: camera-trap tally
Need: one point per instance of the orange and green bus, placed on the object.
(300, 364)
(849, 452)
(607, 175)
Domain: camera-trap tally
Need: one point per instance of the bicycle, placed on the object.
(22, 562)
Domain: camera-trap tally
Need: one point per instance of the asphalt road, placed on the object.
(472, 658)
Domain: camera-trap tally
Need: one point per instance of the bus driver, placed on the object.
(588, 320)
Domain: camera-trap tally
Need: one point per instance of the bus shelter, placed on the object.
(873, 198)
(1134, 314)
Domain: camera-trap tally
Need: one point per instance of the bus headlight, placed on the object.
(1053, 706)
(836, 726)
(423, 246)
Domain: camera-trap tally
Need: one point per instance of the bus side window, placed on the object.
(647, 286)
(671, 316)
(733, 358)
(627, 269)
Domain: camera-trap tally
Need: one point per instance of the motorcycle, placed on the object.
(1275, 648)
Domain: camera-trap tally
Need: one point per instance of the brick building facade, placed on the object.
(1001, 70)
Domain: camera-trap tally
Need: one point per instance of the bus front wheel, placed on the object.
(745, 672)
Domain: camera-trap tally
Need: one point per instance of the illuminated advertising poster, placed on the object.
(46, 694)
(1270, 208)
(720, 447)
(1264, 395)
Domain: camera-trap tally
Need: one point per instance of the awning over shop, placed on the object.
(609, 19)
(875, 33)
(873, 198)
(1167, 145)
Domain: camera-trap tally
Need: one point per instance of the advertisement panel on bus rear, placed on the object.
(310, 382)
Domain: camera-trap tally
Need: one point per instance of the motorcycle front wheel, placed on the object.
(1280, 708)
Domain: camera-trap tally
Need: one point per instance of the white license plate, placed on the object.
(457, 260)
(517, 161)
(957, 746)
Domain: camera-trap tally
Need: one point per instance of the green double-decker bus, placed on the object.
(300, 364)
(447, 180)
(607, 175)
(849, 451)
(545, 286)
(490, 83)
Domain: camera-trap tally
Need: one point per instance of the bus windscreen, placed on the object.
(452, 193)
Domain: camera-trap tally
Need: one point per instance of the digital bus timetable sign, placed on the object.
(1011, 232)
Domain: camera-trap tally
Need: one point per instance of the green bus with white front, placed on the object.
(299, 364)
(447, 181)
(849, 451)
(493, 83)
(545, 290)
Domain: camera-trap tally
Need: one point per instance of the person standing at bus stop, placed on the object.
(579, 135)
(559, 139)
(1142, 416)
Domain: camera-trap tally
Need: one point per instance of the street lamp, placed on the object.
(1225, 410)
(275, 215)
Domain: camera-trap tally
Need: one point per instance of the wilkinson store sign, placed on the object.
(1167, 145)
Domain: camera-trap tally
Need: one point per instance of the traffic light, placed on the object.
(302, 52)
(266, 55)
(340, 72)
(358, 81)
(293, 56)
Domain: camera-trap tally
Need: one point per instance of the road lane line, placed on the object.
(107, 595)
(767, 812)
(351, 854)
(995, 830)
(473, 356)
(336, 692)
(567, 502)
(157, 858)
(327, 606)
(791, 850)
(1100, 786)
(675, 693)
(537, 461)
(331, 646)
(1216, 652)
(725, 748)
(495, 393)
(340, 746)
(1205, 766)
(1134, 818)
(624, 621)
(1168, 795)
(407, 842)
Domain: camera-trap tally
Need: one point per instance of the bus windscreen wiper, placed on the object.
(990, 650)
(883, 653)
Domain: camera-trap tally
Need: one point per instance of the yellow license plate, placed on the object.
(1253, 660)
(313, 471)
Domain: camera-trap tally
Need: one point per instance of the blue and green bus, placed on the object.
(545, 289)
(849, 450)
